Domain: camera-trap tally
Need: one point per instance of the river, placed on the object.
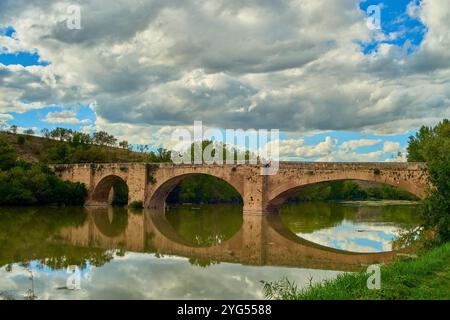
(189, 252)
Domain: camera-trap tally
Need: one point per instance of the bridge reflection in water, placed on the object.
(261, 241)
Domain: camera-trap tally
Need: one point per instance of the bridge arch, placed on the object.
(282, 192)
(158, 193)
(103, 192)
(110, 222)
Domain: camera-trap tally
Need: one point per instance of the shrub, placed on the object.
(27, 184)
(21, 140)
(137, 205)
(8, 155)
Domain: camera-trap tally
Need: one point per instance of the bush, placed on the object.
(27, 184)
(8, 155)
(21, 140)
(137, 205)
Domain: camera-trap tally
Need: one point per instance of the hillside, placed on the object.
(37, 149)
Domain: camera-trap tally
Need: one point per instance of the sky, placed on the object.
(337, 88)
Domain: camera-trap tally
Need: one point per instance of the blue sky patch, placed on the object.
(25, 59)
(37, 117)
(395, 20)
(7, 31)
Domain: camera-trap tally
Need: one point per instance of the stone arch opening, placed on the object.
(110, 190)
(318, 216)
(197, 188)
(202, 209)
(289, 190)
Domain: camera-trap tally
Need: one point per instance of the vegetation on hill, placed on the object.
(66, 146)
(22, 183)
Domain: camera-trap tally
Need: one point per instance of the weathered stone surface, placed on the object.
(151, 183)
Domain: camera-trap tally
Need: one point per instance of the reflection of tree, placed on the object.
(309, 217)
(208, 225)
(28, 234)
(24, 231)
(203, 263)
(67, 256)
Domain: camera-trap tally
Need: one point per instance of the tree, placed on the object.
(8, 156)
(80, 139)
(163, 155)
(124, 144)
(433, 146)
(62, 134)
(417, 143)
(29, 132)
(103, 138)
(45, 133)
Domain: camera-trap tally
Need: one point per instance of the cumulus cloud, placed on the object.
(5, 117)
(355, 144)
(390, 146)
(330, 150)
(292, 65)
(65, 116)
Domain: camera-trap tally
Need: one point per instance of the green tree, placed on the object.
(124, 144)
(8, 155)
(103, 138)
(80, 139)
(433, 146)
(62, 134)
(45, 133)
(36, 185)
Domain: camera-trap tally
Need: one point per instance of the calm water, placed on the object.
(206, 252)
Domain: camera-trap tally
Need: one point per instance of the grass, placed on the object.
(427, 277)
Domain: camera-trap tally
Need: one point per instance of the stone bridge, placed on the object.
(262, 240)
(151, 183)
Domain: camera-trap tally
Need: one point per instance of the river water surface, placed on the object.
(188, 252)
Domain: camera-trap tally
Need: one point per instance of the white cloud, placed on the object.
(5, 117)
(390, 147)
(65, 116)
(230, 64)
(355, 144)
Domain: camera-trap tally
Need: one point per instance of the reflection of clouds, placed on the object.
(356, 237)
(143, 276)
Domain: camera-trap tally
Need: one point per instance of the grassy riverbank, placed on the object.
(427, 277)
